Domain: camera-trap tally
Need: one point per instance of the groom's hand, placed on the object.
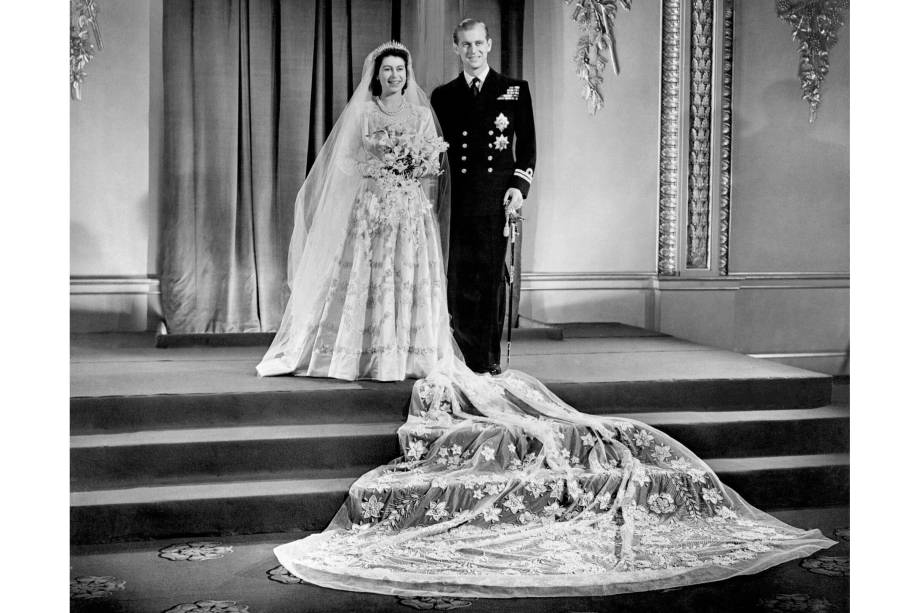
(514, 200)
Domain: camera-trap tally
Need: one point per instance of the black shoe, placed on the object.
(495, 369)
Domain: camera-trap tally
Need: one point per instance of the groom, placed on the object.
(487, 119)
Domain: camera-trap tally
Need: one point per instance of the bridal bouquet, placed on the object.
(405, 158)
(402, 159)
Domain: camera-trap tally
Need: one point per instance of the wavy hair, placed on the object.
(376, 88)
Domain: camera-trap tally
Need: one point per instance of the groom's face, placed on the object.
(473, 47)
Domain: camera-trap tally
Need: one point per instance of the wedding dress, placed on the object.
(368, 296)
(503, 490)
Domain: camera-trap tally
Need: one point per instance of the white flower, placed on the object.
(553, 509)
(526, 517)
(501, 122)
(587, 440)
(603, 501)
(698, 476)
(487, 453)
(643, 438)
(726, 513)
(511, 448)
(495, 488)
(681, 464)
(586, 499)
(443, 452)
(490, 513)
(477, 494)
(640, 476)
(710, 494)
(661, 503)
(371, 508)
(535, 487)
(437, 510)
(556, 489)
(514, 503)
(417, 449)
(662, 452)
(456, 450)
(501, 142)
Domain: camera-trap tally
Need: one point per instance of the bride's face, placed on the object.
(392, 75)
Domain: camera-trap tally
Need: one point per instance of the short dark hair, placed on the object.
(376, 89)
(469, 24)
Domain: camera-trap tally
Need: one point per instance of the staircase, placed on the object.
(186, 464)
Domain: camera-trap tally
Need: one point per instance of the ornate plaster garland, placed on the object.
(83, 21)
(597, 46)
(815, 24)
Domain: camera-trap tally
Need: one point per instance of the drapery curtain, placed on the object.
(251, 90)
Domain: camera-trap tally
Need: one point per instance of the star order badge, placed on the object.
(501, 142)
(501, 122)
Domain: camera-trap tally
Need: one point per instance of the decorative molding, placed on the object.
(637, 280)
(698, 177)
(669, 139)
(790, 275)
(725, 143)
(81, 285)
(815, 24)
(800, 354)
(83, 21)
(595, 19)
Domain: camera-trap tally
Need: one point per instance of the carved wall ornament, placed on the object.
(83, 21)
(700, 134)
(815, 24)
(597, 46)
(669, 149)
(725, 143)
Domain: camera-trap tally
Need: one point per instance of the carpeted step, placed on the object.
(189, 455)
(376, 402)
(248, 507)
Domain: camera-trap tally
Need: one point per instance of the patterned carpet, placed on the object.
(241, 575)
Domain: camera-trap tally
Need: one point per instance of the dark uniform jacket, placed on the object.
(492, 141)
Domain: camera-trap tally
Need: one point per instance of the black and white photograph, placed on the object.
(487, 305)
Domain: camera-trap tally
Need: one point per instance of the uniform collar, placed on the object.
(482, 73)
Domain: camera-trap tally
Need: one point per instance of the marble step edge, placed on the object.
(287, 487)
(345, 430)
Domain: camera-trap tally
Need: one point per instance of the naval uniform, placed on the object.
(492, 148)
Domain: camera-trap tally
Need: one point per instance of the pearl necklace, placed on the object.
(402, 105)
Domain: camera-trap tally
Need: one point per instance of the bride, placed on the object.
(502, 489)
(365, 267)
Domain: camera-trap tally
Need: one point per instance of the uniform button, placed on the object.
(463, 170)
(464, 145)
(490, 132)
(463, 157)
(464, 133)
(490, 170)
(489, 158)
(490, 145)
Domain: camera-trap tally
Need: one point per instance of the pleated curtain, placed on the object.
(251, 90)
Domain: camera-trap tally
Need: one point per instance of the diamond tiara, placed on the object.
(393, 44)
